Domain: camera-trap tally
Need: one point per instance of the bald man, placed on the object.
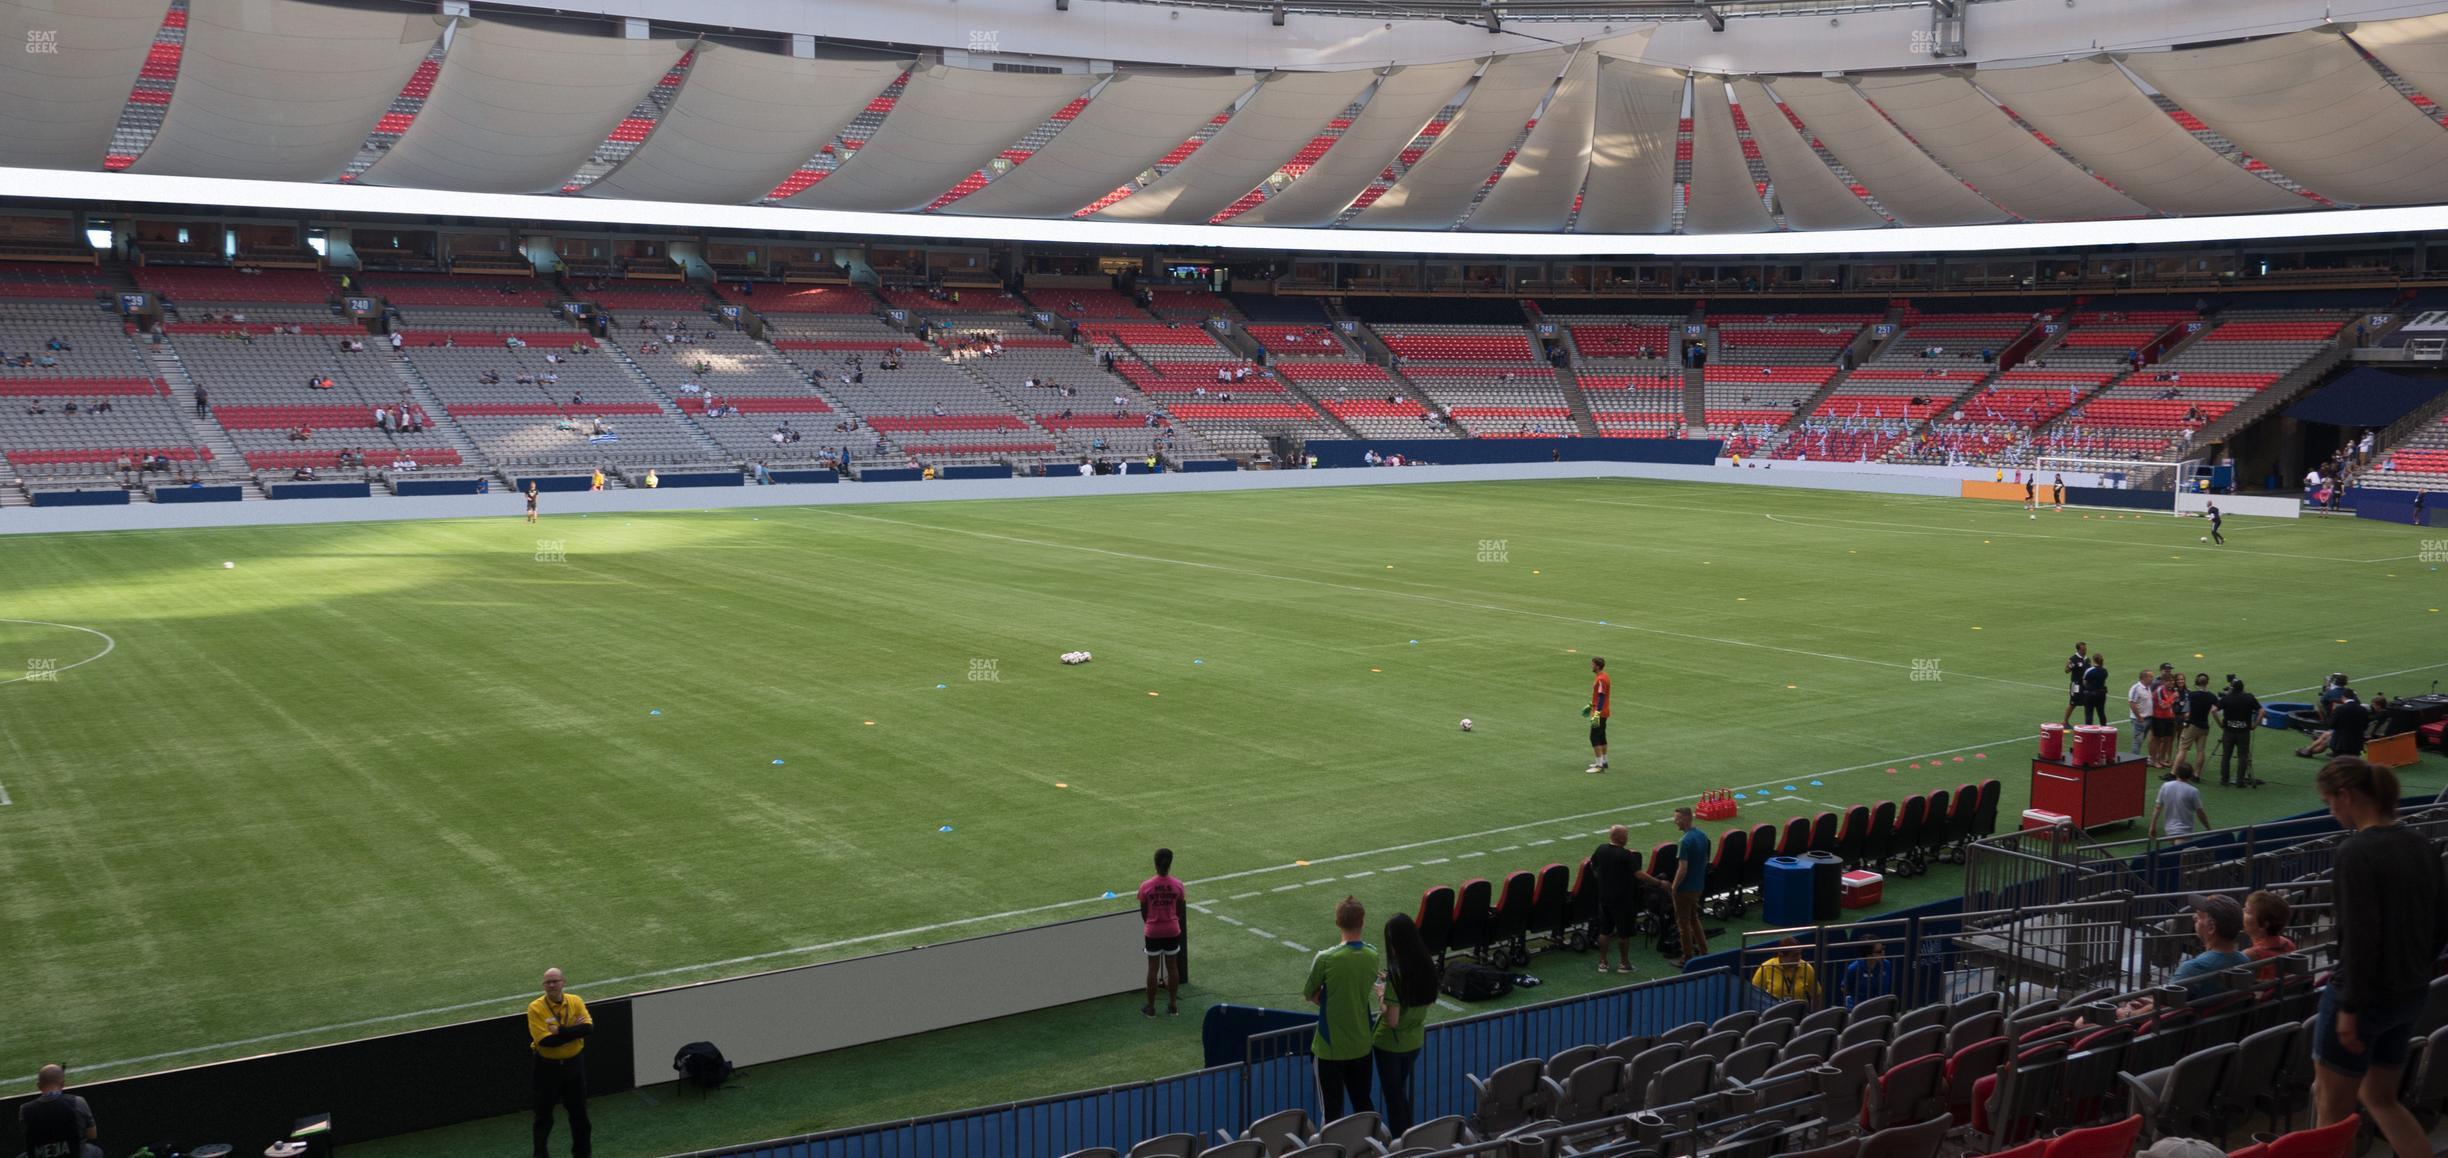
(1614, 866)
(557, 1027)
(57, 1124)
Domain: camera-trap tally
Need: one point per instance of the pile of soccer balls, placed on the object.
(1076, 657)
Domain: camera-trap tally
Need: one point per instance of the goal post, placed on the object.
(2128, 474)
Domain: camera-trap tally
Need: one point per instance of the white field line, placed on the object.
(4, 796)
(109, 645)
(511, 1001)
(1384, 593)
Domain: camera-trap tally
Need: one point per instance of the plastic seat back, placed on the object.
(1551, 908)
(1436, 918)
(1470, 917)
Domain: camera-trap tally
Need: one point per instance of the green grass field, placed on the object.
(379, 776)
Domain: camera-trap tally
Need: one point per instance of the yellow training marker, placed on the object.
(1790, 687)
(1382, 669)
(1155, 693)
(2198, 655)
(1976, 629)
(869, 723)
(1060, 784)
(1534, 572)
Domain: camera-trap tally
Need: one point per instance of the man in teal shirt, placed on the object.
(1690, 884)
(1343, 983)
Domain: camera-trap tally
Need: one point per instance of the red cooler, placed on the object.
(2052, 741)
(2094, 744)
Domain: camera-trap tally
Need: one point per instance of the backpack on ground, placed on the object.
(1468, 981)
(702, 1065)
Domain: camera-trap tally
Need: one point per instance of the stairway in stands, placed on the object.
(228, 460)
(712, 451)
(413, 381)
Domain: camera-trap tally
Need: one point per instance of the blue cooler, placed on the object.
(1787, 892)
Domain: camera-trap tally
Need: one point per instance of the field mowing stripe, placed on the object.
(1444, 1004)
(4, 797)
(511, 1001)
(1928, 530)
(1382, 593)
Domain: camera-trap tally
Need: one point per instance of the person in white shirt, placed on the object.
(2138, 706)
(2180, 803)
(1086, 469)
(397, 340)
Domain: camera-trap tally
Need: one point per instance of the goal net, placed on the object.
(2131, 474)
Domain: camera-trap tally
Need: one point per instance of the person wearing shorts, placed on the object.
(1161, 900)
(1601, 705)
(2392, 922)
(1613, 866)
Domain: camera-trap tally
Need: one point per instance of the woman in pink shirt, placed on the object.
(1161, 899)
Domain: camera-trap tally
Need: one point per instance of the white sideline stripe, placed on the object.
(109, 645)
(1233, 921)
(1448, 1005)
(1382, 593)
(1294, 945)
(1258, 931)
(1287, 888)
(4, 796)
(511, 1002)
(1360, 874)
(1320, 881)
(1468, 855)
(1397, 868)
(1240, 896)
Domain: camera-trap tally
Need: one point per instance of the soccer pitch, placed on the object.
(378, 776)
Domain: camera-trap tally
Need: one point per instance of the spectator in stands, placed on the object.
(2265, 921)
(2181, 805)
(56, 1122)
(2239, 713)
(1871, 975)
(2391, 898)
(398, 339)
(2348, 719)
(1161, 900)
(203, 403)
(1341, 983)
(1787, 976)
(557, 1029)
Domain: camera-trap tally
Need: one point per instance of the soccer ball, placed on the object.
(1466, 724)
(2035, 516)
(228, 566)
(2205, 538)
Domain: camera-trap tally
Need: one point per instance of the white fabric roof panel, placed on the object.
(57, 109)
(1131, 124)
(518, 110)
(743, 122)
(1632, 150)
(1437, 191)
(2415, 48)
(2307, 104)
(1808, 192)
(948, 124)
(2094, 112)
(1289, 110)
(1403, 102)
(1724, 198)
(1537, 189)
(1897, 172)
(277, 90)
(1953, 122)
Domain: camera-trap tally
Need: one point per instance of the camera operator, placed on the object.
(2239, 713)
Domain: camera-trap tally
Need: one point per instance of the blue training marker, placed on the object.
(1415, 643)
(939, 687)
(1198, 661)
(1791, 788)
(1108, 894)
(1818, 783)
(654, 711)
(777, 760)
(1740, 796)
(946, 828)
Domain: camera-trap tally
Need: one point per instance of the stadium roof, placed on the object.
(1590, 138)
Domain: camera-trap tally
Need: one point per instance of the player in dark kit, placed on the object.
(2031, 497)
(2057, 485)
(2216, 519)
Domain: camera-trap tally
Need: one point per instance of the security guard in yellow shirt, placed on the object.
(557, 1027)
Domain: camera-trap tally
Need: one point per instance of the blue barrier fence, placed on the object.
(94, 498)
(1276, 1075)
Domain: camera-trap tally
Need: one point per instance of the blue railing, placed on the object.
(1276, 1075)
